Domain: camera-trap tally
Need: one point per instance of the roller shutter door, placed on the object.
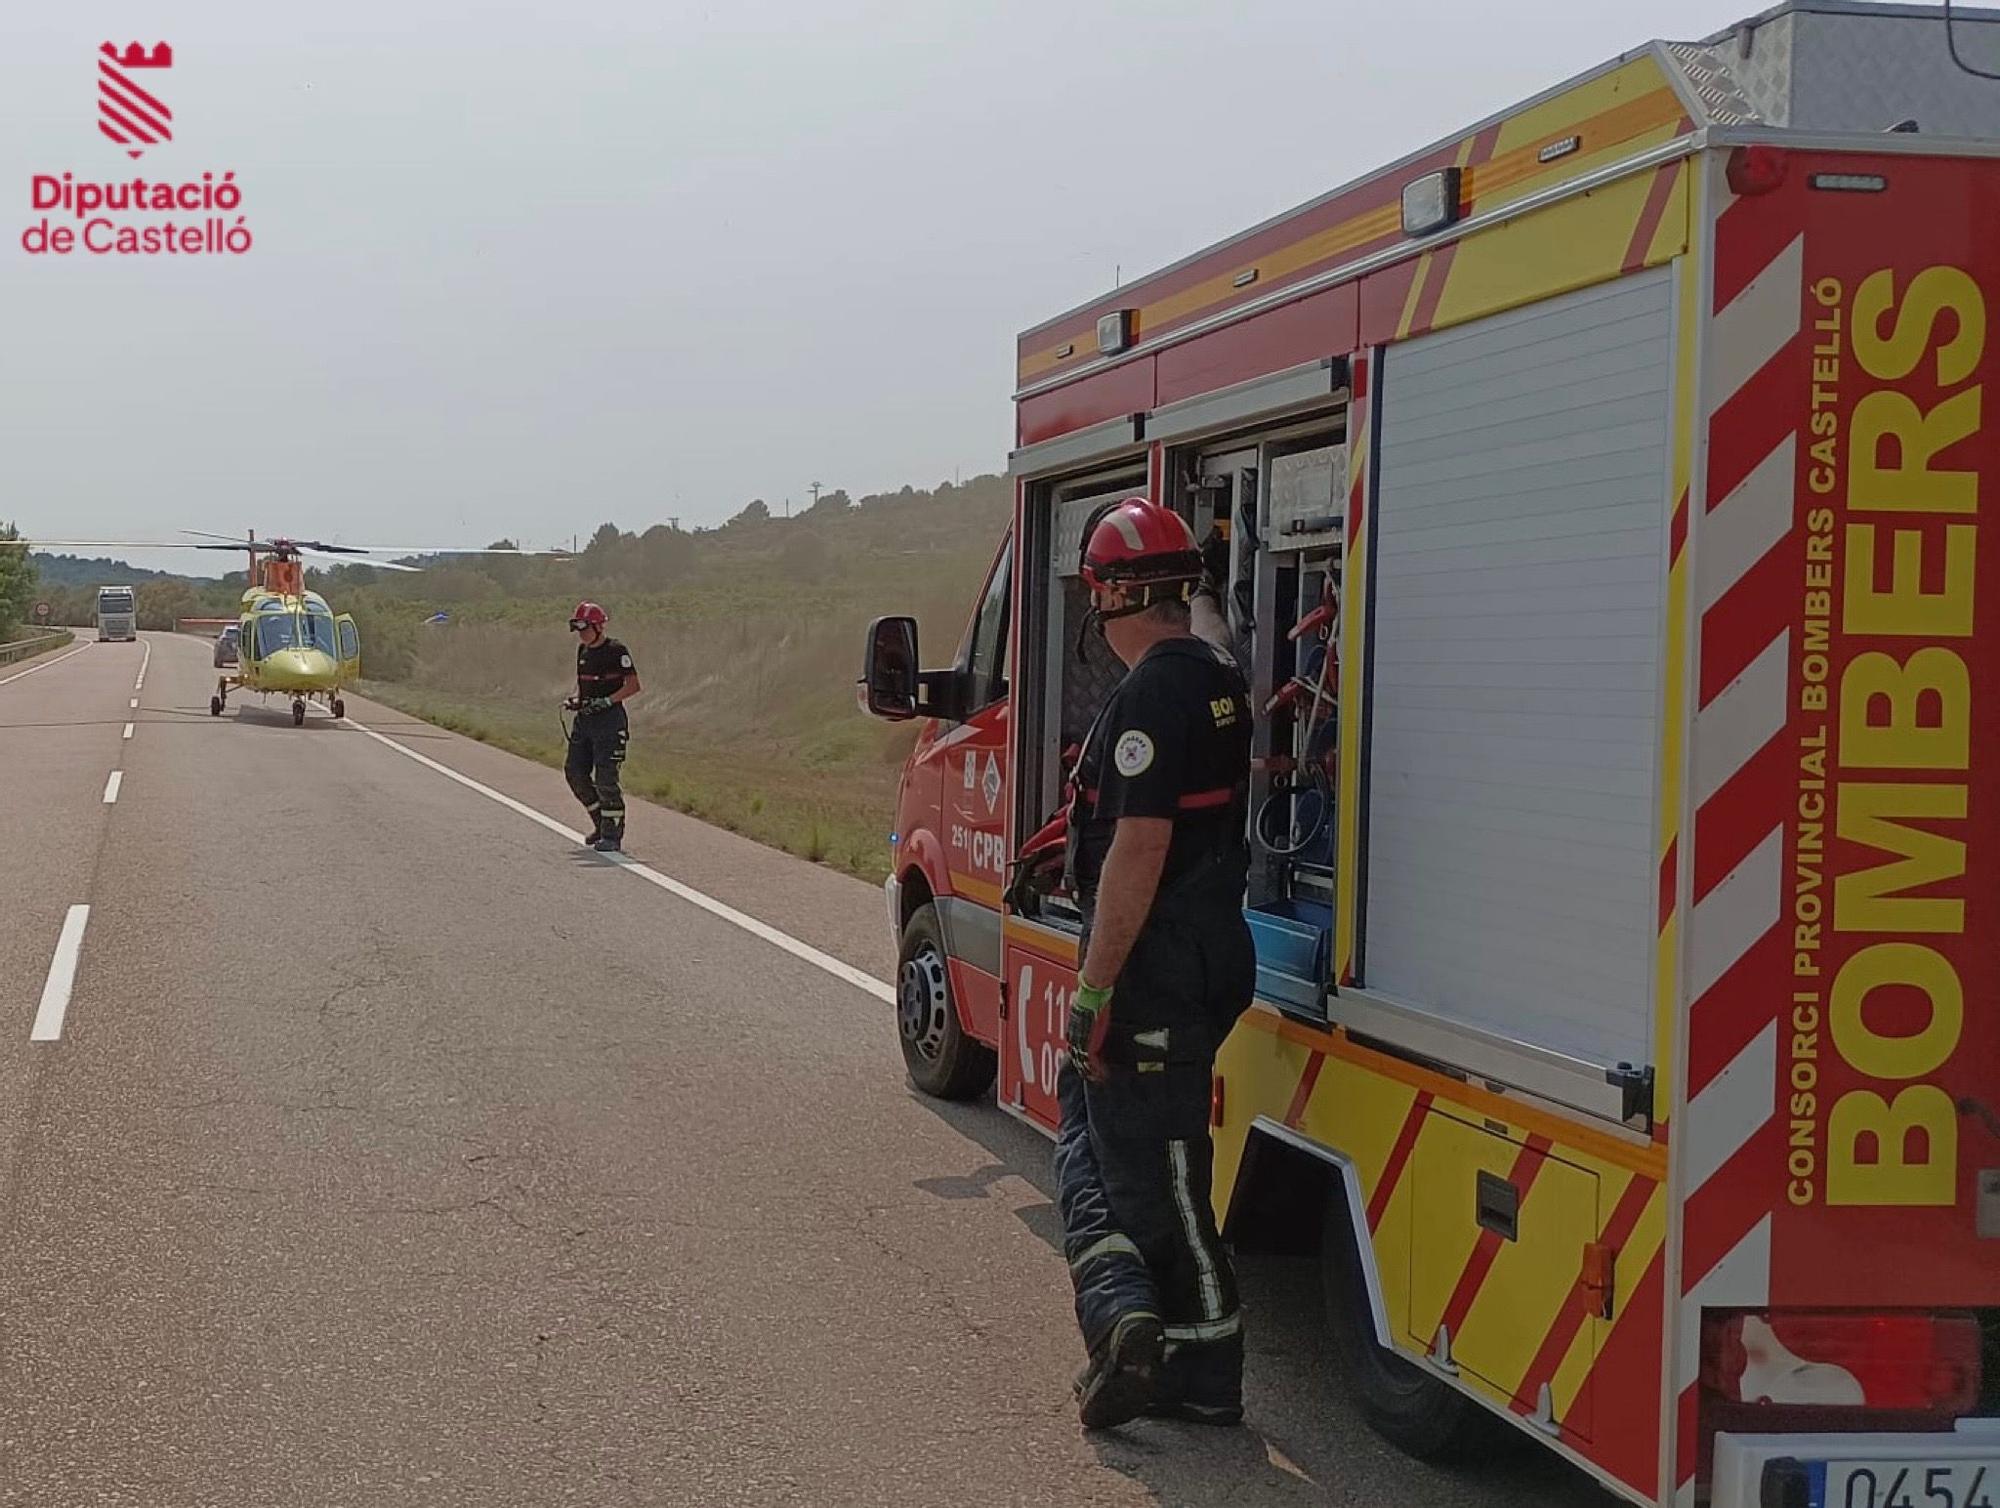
(1518, 582)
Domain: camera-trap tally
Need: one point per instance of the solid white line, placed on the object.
(111, 786)
(44, 665)
(128, 731)
(62, 978)
(145, 660)
(806, 952)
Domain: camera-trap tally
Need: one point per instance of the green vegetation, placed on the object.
(17, 586)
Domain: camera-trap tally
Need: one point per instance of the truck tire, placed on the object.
(943, 1061)
(1421, 1415)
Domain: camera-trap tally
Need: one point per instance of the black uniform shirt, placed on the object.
(601, 668)
(1173, 741)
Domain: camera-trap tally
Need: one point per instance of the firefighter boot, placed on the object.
(611, 835)
(596, 829)
(1124, 1373)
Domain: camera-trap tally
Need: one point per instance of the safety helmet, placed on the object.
(588, 615)
(1139, 544)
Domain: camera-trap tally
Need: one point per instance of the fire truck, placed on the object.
(1599, 499)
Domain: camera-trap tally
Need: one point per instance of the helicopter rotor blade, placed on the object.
(345, 557)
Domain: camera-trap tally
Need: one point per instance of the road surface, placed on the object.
(391, 1149)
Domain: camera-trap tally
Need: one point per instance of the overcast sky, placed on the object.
(522, 268)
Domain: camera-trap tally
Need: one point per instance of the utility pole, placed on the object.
(815, 490)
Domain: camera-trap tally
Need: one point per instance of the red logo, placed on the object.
(130, 113)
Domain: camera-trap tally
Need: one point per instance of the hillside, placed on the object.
(748, 638)
(56, 571)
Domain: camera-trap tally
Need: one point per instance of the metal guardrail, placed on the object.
(20, 649)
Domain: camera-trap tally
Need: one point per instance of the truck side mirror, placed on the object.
(889, 669)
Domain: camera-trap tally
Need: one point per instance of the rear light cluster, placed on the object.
(1872, 1363)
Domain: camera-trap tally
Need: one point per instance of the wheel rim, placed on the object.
(923, 1002)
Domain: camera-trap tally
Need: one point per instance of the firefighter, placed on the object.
(605, 681)
(1157, 860)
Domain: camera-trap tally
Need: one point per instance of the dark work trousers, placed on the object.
(1134, 1161)
(596, 750)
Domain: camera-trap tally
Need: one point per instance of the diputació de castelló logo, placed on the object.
(130, 113)
(185, 217)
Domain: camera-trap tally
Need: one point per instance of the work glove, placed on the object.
(1089, 1024)
(1215, 561)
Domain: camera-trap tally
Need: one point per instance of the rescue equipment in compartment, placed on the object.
(1292, 816)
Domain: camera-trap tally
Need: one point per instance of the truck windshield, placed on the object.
(114, 602)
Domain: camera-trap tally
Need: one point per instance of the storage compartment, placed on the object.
(1498, 1237)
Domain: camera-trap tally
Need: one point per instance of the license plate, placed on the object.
(1907, 1484)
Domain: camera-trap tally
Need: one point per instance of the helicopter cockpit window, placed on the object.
(276, 631)
(317, 633)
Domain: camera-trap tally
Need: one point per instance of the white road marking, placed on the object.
(144, 661)
(62, 978)
(111, 787)
(128, 731)
(784, 941)
(43, 665)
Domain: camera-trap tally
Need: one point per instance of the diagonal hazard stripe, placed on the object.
(1745, 526)
(1735, 726)
(1730, 1108)
(1727, 922)
(1303, 1094)
(1651, 214)
(1528, 1163)
(1570, 1319)
(1757, 324)
(1399, 1157)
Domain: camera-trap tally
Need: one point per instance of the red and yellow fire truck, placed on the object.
(1605, 492)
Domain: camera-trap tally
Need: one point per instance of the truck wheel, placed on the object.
(1418, 1413)
(943, 1061)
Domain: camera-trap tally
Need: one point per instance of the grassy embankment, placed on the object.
(748, 720)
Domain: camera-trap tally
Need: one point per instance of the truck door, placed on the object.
(972, 770)
(1072, 672)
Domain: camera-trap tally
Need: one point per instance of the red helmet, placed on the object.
(588, 615)
(1137, 543)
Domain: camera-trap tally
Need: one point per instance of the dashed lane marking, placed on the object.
(144, 660)
(128, 731)
(62, 978)
(111, 787)
(784, 941)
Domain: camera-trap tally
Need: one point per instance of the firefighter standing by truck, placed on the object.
(605, 681)
(1157, 860)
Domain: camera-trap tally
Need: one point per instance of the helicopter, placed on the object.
(290, 640)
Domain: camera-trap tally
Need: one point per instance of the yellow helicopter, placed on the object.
(290, 642)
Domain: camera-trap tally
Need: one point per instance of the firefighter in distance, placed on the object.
(1158, 862)
(605, 681)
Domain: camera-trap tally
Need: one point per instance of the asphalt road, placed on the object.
(394, 1150)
